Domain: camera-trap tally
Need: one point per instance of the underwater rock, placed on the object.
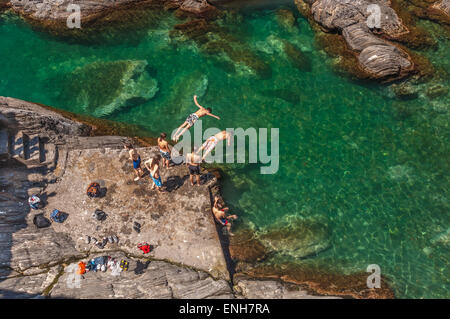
(297, 57)
(405, 91)
(187, 85)
(286, 19)
(399, 172)
(437, 91)
(227, 50)
(296, 236)
(442, 238)
(402, 110)
(102, 88)
(245, 247)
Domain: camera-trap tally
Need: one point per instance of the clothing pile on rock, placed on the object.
(101, 244)
(144, 247)
(34, 201)
(58, 216)
(103, 263)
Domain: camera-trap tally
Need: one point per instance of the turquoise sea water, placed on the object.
(373, 167)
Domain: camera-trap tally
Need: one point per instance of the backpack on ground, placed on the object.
(58, 216)
(93, 190)
(40, 221)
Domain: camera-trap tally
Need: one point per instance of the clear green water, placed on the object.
(379, 178)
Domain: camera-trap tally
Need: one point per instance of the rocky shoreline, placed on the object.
(187, 259)
(344, 29)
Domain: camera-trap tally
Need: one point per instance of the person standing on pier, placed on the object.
(136, 159)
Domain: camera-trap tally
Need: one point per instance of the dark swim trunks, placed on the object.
(194, 170)
(191, 119)
(224, 220)
(137, 163)
(166, 155)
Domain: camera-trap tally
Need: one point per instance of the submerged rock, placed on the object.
(296, 236)
(405, 91)
(286, 19)
(223, 47)
(187, 85)
(102, 88)
(245, 247)
(437, 91)
(299, 59)
(399, 172)
(442, 238)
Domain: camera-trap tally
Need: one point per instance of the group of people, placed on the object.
(192, 160)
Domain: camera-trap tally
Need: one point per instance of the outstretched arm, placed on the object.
(210, 114)
(196, 102)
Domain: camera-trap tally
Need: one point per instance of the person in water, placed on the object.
(164, 150)
(153, 167)
(192, 118)
(193, 163)
(220, 214)
(136, 159)
(212, 141)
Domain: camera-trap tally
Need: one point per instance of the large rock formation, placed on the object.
(101, 20)
(57, 10)
(357, 22)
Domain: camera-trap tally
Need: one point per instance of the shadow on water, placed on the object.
(15, 185)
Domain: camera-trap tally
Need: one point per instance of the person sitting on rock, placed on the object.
(220, 214)
(193, 163)
(219, 203)
(136, 158)
(153, 167)
(192, 118)
(164, 149)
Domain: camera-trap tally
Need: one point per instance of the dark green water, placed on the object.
(374, 168)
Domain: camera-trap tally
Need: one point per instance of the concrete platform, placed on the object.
(178, 223)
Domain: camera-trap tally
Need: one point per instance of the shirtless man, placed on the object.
(192, 118)
(153, 167)
(220, 215)
(212, 141)
(136, 158)
(193, 163)
(164, 149)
